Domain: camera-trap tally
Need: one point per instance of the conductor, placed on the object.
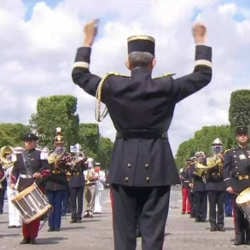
(141, 108)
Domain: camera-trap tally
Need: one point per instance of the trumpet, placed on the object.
(7, 158)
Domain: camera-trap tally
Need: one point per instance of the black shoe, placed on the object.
(239, 239)
(57, 229)
(238, 242)
(50, 229)
(33, 241)
(25, 241)
(11, 226)
(73, 221)
(221, 229)
(213, 228)
(78, 220)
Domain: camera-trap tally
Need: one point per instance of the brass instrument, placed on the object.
(55, 157)
(6, 158)
(212, 162)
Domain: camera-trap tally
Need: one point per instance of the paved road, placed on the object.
(96, 233)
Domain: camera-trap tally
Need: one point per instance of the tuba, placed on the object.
(6, 157)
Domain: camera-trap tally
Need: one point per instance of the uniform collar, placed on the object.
(141, 70)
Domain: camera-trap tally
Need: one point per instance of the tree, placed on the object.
(12, 134)
(105, 152)
(89, 138)
(239, 110)
(56, 111)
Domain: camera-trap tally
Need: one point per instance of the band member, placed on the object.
(199, 190)
(90, 188)
(141, 109)
(237, 178)
(76, 185)
(185, 189)
(56, 183)
(13, 213)
(3, 185)
(28, 168)
(101, 178)
(216, 187)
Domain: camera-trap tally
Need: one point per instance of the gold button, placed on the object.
(146, 165)
(126, 179)
(129, 165)
(147, 179)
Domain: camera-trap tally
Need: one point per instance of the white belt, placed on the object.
(25, 176)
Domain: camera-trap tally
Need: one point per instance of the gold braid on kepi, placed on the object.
(100, 109)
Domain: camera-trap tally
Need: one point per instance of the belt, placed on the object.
(25, 176)
(243, 177)
(142, 133)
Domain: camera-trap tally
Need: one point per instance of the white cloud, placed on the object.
(37, 54)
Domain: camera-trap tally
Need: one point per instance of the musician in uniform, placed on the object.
(76, 185)
(29, 167)
(237, 178)
(141, 108)
(215, 187)
(90, 188)
(199, 189)
(101, 178)
(185, 188)
(3, 186)
(56, 183)
(8, 164)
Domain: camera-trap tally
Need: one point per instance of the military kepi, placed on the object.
(241, 131)
(30, 137)
(141, 43)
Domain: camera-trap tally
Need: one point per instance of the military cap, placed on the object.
(30, 137)
(241, 130)
(141, 43)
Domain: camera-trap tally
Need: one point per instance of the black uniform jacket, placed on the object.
(214, 180)
(140, 104)
(76, 178)
(28, 163)
(237, 168)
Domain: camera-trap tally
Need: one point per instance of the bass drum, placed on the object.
(243, 201)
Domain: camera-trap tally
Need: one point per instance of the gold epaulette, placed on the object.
(227, 150)
(101, 114)
(165, 75)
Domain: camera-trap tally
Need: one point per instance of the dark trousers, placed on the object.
(30, 231)
(228, 204)
(76, 196)
(55, 199)
(200, 205)
(241, 224)
(216, 207)
(146, 206)
(2, 192)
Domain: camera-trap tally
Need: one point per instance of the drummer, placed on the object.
(237, 178)
(29, 168)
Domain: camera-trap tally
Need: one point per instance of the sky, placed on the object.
(39, 41)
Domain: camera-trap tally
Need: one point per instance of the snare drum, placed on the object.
(31, 203)
(243, 201)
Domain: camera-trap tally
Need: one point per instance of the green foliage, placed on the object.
(53, 112)
(239, 111)
(94, 145)
(89, 137)
(12, 134)
(105, 152)
(202, 141)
